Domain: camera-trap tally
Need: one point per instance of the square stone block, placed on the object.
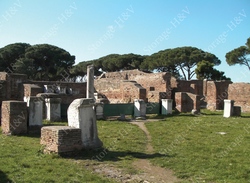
(14, 117)
(61, 139)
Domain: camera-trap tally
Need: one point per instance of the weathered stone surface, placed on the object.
(14, 117)
(53, 109)
(81, 114)
(61, 139)
(240, 93)
(90, 82)
(140, 109)
(35, 106)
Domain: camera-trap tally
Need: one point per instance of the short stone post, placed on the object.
(139, 109)
(81, 114)
(166, 106)
(35, 105)
(237, 111)
(14, 117)
(228, 108)
(90, 82)
(99, 110)
(53, 109)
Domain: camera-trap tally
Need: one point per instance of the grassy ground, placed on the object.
(207, 148)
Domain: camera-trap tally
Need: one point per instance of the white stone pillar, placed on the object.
(90, 82)
(166, 106)
(139, 108)
(99, 110)
(35, 111)
(228, 108)
(53, 109)
(81, 114)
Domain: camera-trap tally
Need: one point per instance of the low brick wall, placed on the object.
(61, 139)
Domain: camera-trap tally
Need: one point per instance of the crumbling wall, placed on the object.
(14, 87)
(155, 83)
(120, 91)
(240, 93)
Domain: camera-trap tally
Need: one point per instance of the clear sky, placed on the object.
(90, 29)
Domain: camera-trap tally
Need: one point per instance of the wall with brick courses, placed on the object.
(154, 83)
(240, 93)
(216, 92)
(61, 139)
(192, 86)
(186, 102)
(120, 91)
(14, 87)
(78, 89)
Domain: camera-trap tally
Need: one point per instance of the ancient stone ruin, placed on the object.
(26, 103)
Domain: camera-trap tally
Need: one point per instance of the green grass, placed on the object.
(189, 145)
(195, 150)
(22, 160)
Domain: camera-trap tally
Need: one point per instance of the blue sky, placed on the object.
(90, 29)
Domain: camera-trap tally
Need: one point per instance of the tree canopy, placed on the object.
(239, 55)
(10, 54)
(206, 70)
(180, 61)
(48, 62)
(39, 62)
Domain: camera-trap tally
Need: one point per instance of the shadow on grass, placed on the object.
(4, 178)
(106, 155)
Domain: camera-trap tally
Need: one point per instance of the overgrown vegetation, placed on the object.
(205, 148)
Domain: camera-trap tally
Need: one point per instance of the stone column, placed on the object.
(166, 106)
(81, 114)
(53, 109)
(35, 105)
(228, 108)
(139, 109)
(14, 117)
(90, 82)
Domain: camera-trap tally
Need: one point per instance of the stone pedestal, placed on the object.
(99, 110)
(139, 109)
(237, 111)
(81, 114)
(166, 106)
(35, 105)
(53, 109)
(60, 139)
(228, 108)
(14, 117)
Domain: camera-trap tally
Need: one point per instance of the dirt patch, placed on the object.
(149, 148)
(150, 172)
(147, 173)
(153, 173)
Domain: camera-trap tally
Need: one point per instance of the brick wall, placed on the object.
(215, 93)
(154, 83)
(120, 91)
(14, 87)
(240, 93)
(186, 102)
